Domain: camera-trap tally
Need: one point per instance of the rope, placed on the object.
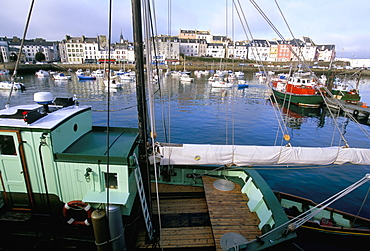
(20, 53)
(149, 32)
(304, 217)
(363, 203)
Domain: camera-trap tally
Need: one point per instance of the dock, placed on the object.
(358, 111)
(197, 217)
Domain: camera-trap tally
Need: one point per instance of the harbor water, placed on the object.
(196, 113)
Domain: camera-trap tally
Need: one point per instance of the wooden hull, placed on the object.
(330, 225)
(300, 100)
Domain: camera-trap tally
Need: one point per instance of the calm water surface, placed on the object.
(197, 113)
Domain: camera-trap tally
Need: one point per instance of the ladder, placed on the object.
(144, 205)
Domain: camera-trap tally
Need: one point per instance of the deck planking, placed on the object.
(229, 212)
(184, 217)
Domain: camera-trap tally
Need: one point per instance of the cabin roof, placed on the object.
(13, 116)
(93, 146)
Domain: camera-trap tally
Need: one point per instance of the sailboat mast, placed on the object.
(141, 97)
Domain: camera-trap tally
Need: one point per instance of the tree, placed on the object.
(39, 56)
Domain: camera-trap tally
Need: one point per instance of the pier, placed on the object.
(358, 111)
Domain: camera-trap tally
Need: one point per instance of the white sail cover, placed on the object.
(197, 154)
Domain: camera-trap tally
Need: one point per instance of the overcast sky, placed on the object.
(344, 23)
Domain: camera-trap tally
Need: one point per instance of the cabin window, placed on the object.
(7, 146)
(111, 180)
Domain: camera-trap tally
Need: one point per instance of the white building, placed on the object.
(32, 46)
(216, 50)
(259, 49)
(193, 47)
(4, 51)
(237, 50)
(167, 50)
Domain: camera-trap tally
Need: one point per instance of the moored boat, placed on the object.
(221, 84)
(61, 76)
(98, 73)
(330, 224)
(302, 89)
(42, 73)
(84, 77)
(186, 78)
(343, 90)
(7, 85)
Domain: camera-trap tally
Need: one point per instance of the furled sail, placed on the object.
(238, 155)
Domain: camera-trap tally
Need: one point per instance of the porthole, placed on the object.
(75, 127)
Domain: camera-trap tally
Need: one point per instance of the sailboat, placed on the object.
(62, 181)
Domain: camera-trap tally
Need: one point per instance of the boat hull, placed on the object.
(314, 101)
(331, 225)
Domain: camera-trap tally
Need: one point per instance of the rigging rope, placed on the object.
(149, 32)
(20, 54)
(305, 216)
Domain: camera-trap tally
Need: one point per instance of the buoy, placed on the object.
(77, 205)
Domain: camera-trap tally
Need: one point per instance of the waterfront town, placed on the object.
(190, 43)
(194, 43)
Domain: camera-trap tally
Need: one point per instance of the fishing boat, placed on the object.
(331, 224)
(7, 85)
(343, 90)
(302, 89)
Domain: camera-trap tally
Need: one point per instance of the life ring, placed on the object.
(77, 205)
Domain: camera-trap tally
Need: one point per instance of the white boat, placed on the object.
(61, 76)
(126, 77)
(42, 73)
(239, 74)
(98, 73)
(113, 82)
(7, 85)
(221, 84)
(186, 78)
(79, 72)
(176, 74)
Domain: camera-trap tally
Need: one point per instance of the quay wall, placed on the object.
(32, 68)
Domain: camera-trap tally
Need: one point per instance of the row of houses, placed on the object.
(167, 49)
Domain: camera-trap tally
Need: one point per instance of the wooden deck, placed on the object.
(184, 217)
(229, 212)
(197, 217)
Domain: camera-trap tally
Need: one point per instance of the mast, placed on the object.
(141, 98)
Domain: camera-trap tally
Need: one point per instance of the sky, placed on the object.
(343, 23)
